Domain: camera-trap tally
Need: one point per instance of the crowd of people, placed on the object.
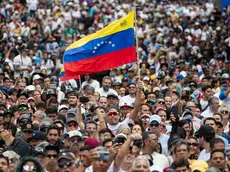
(168, 112)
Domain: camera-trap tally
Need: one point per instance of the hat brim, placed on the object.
(28, 130)
(63, 157)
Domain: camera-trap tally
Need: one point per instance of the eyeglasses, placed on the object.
(154, 124)
(72, 125)
(22, 109)
(224, 111)
(54, 156)
(12, 160)
(193, 144)
(131, 87)
(29, 168)
(62, 165)
(75, 139)
(112, 114)
(161, 102)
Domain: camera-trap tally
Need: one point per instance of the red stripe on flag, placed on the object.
(102, 62)
(66, 78)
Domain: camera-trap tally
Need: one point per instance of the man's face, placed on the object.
(83, 156)
(103, 102)
(154, 126)
(107, 83)
(72, 100)
(145, 109)
(26, 135)
(218, 160)
(112, 100)
(208, 93)
(182, 169)
(53, 116)
(21, 85)
(74, 144)
(215, 104)
(52, 157)
(100, 165)
(72, 126)
(168, 102)
(113, 117)
(141, 165)
(125, 110)
(47, 82)
(211, 123)
(132, 89)
(87, 78)
(8, 83)
(66, 165)
(204, 82)
(91, 128)
(22, 99)
(151, 96)
(162, 114)
(52, 136)
(22, 110)
(182, 151)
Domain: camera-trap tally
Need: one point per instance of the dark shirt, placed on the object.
(21, 147)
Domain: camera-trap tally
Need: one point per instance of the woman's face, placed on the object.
(225, 113)
(29, 167)
(194, 146)
(136, 129)
(187, 129)
(126, 132)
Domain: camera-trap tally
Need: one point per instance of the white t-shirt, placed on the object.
(127, 99)
(207, 113)
(164, 143)
(103, 93)
(22, 62)
(113, 128)
(160, 160)
(204, 155)
(95, 84)
(203, 104)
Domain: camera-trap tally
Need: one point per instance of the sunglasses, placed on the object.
(131, 87)
(62, 165)
(161, 102)
(22, 109)
(29, 168)
(13, 160)
(72, 125)
(193, 144)
(224, 111)
(154, 124)
(54, 156)
(75, 139)
(112, 114)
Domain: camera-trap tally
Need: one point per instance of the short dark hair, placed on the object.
(179, 144)
(53, 127)
(180, 163)
(40, 104)
(106, 141)
(217, 150)
(214, 141)
(90, 122)
(209, 118)
(204, 88)
(85, 147)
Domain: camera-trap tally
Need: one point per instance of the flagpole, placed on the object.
(136, 28)
(80, 81)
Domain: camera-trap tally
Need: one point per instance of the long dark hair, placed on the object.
(27, 159)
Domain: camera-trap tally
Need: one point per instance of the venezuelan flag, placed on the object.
(108, 48)
(64, 77)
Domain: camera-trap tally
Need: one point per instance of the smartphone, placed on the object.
(83, 99)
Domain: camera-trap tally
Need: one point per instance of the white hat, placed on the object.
(146, 78)
(74, 133)
(62, 107)
(156, 168)
(30, 88)
(156, 118)
(123, 104)
(36, 77)
(156, 89)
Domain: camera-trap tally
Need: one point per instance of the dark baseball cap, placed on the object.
(65, 155)
(173, 139)
(38, 135)
(27, 127)
(112, 95)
